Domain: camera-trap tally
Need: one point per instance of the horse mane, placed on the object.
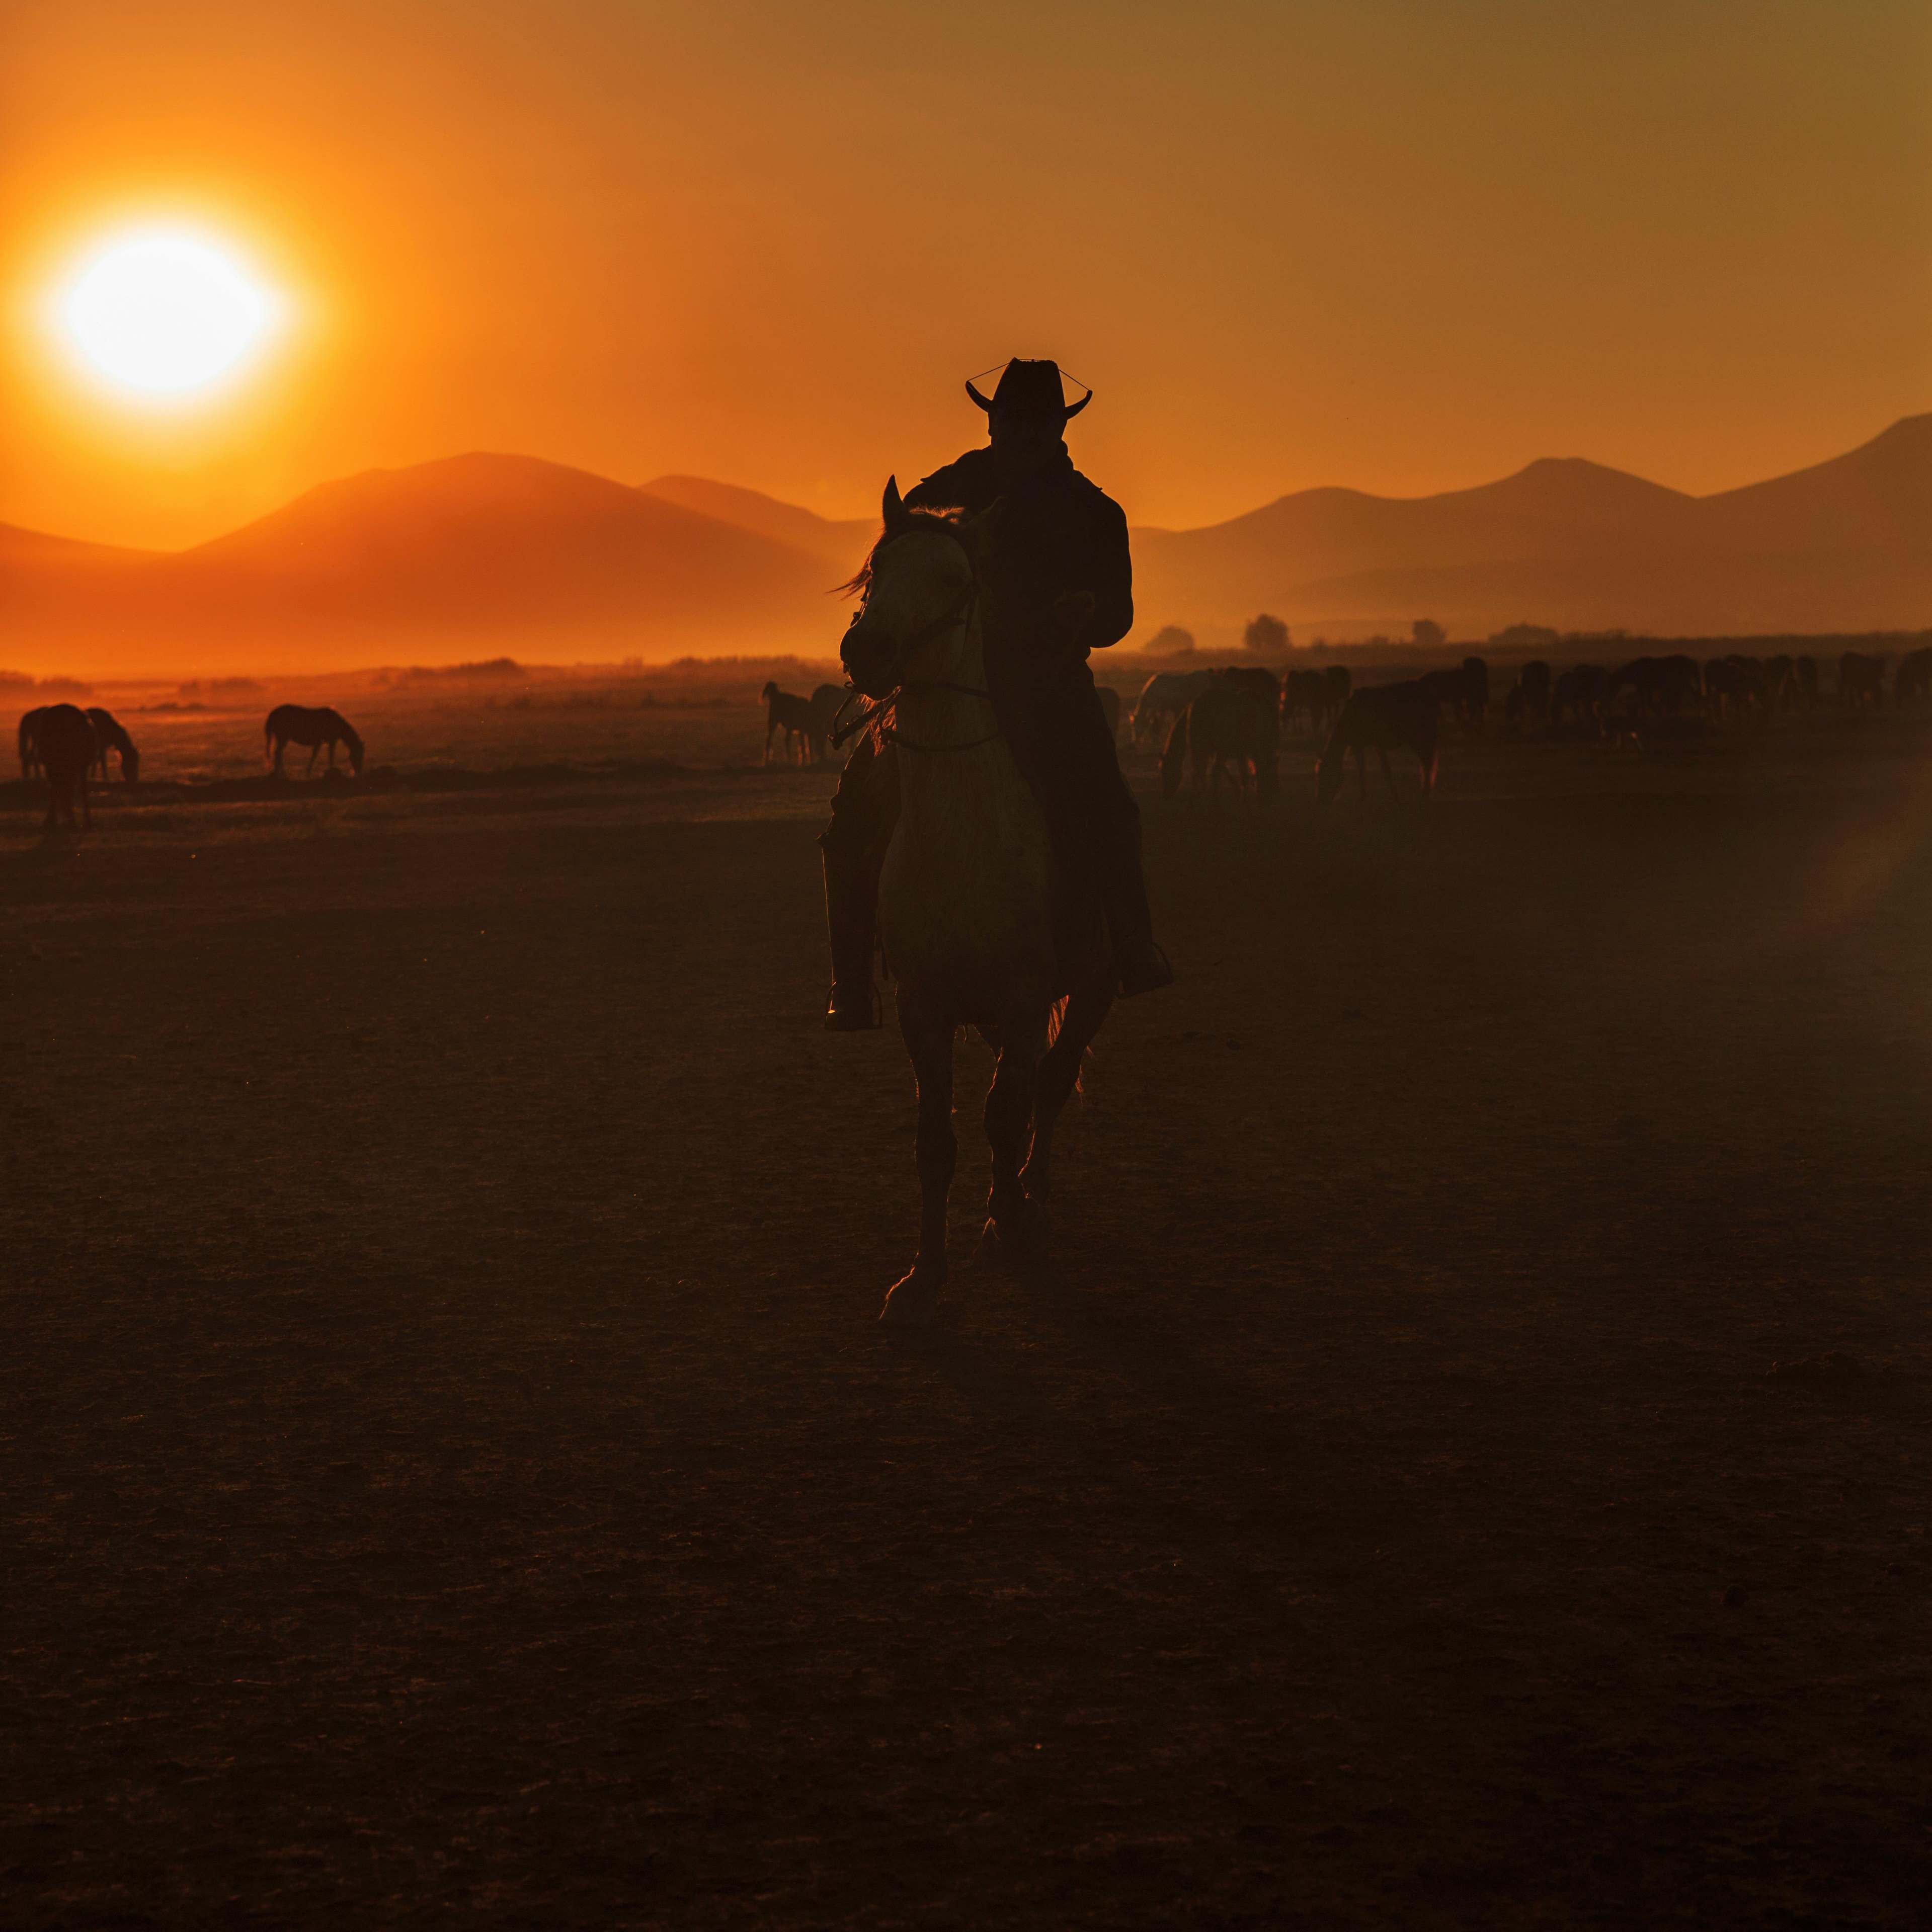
(860, 582)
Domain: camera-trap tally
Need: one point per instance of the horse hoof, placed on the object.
(1021, 1229)
(911, 1301)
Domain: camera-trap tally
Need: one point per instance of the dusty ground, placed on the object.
(451, 1474)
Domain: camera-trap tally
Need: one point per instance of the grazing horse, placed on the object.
(1914, 676)
(1663, 685)
(1465, 690)
(1532, 692)
(1163, 698)
(1861, 679)
(977, 929)
(31, 766)
(1304, 692)
(1474, 707)
(63, 742)
(786, 711)
(109, 735)
(1228, 729)
(1259, 684)
(299, 724)
(1732, 686)
(1387, 716)
(1579, 691)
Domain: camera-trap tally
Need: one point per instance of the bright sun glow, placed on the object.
(163, 313)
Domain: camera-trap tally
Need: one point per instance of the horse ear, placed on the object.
(892, 510)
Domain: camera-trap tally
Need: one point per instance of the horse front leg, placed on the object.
(910, 1299)
(1054, 1083)
(1018, 1223)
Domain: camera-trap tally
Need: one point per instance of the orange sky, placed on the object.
(1404, 247)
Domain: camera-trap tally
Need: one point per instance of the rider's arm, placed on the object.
(1112, 580)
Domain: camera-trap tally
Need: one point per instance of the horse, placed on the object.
(1861, 679)
(1913, 678)
(1387, 716)
(1580, 690)
(1804, 671)
(976, 929)
(1227, 729)
(1465, 691)
(1663, 685)
(109, 737)
(1163, 698)
(1532, 692)
(31, 766)
(1780, 684)
(1732, 686)
(299, 724)
(1303, 691)
(64, 744)
(1474, 707)
(1260, 684)
(785, 711)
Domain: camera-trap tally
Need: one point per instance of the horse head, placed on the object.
(920, 583)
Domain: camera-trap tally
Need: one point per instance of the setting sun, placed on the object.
(164, 314)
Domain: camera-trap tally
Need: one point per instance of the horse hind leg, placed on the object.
(910, 1299)
(1017, 1222)
(1059, 1075)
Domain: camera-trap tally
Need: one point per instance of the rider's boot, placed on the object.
(851, 909)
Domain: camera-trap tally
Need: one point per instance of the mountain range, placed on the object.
(474, 554)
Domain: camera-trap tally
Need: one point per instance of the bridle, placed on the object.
(960, 618)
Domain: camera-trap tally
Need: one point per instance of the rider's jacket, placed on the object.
(1058, 532)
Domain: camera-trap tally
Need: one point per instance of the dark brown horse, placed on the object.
(299, 725)
(31, 766)
(63, 746)
(109, 737)
(785, 711)
(1532, 692)
(1228, 729)
(1579, 691)
(1663, 685)
(1861, 679)
(1913, 680)
(1388, 717)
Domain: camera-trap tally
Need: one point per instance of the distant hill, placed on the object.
(461, 556)
(478, 555)
(1845, 544)
(842, 544)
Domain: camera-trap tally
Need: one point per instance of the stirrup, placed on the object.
(843, 1013)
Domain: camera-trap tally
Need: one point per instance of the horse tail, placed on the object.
(1175, 753)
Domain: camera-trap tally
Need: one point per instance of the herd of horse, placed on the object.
(68, 746)
(1228, 723)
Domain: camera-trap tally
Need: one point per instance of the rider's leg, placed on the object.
(1076, 770)
(864, 810)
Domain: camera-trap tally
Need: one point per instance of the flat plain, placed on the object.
(1465, 1461)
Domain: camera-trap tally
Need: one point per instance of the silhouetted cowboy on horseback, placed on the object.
(1063, 552)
